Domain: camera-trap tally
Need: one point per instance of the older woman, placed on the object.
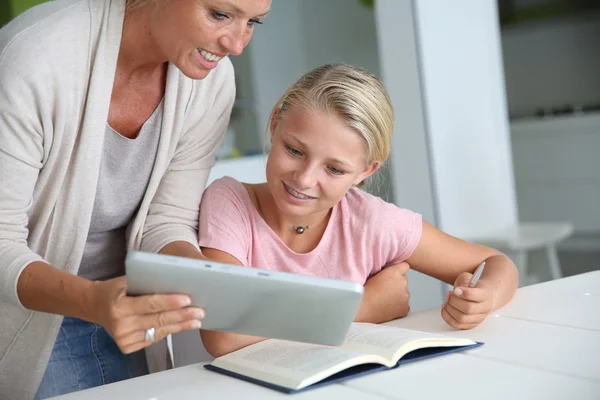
(110, 115)
(109, 120)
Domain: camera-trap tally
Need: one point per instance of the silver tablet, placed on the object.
(251, 301)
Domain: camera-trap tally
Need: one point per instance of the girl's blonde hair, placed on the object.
(355, 94)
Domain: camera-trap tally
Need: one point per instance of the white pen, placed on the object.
(477, 275)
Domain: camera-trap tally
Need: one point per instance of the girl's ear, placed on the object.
(369, 170)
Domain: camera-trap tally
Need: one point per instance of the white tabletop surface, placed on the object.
(572, 301)
(544, 344)
(552, 348)
(197, 383)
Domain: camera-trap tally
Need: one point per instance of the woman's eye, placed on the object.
(293, 151)
(335, 171)
(220, 16)
(253, 22)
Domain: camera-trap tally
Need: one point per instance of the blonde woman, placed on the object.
(330, 132)
(109, 121)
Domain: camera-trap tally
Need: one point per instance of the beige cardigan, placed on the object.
(57, 65)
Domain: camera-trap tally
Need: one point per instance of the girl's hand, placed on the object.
(386, 295)
(467, 307)
(127, 318)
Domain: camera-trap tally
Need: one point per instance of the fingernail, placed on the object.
(199, 314)
(186, 302)
(196, 324)
(458, 291)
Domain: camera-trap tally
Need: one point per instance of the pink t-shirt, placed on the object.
(364, 234)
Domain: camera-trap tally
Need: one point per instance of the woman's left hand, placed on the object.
(466, 307)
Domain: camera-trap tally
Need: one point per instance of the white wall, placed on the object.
(299, 35)
(411, 176)
(467, 119)
(277, 57)
(243, 118)
(451, 158)
(340, 31)
(400, 71)
(552, 63)
(558, 172)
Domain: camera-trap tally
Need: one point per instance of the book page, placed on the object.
(380, 339)
(298, 357)
(288, 363)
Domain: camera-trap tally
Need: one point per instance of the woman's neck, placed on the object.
(139, 54)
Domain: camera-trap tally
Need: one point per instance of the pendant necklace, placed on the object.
(300, 229)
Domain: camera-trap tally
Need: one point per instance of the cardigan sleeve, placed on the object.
(22, 141)
(173, 212)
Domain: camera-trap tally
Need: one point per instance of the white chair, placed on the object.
(528, 236)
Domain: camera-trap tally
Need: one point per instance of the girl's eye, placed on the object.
(293, 151)
(219, 16)
(253, 22)
(335, 171)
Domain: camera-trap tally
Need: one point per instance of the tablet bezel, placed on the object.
(252, 301)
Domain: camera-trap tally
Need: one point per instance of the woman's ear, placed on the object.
(369, 170)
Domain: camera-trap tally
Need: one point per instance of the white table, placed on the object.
(545, 344)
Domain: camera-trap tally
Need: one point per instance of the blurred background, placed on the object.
(497, 108)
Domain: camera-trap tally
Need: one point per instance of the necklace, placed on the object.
(300, 229)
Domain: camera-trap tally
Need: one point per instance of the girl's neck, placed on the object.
(288, 229)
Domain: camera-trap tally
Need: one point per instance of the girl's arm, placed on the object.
(453, 261)
(220, 343)
(385, 298)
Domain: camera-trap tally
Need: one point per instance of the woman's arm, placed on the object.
(173, 213)
(42, 287)
(453, 261)
(220, 343)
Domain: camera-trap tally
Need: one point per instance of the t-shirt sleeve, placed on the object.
(404, 233)
(224, 219)
(396, 233)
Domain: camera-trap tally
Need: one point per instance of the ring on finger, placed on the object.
(149, 335)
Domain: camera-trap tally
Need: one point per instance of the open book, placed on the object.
(292, 366)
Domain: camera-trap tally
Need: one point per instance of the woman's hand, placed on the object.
(127, 318)
(467, 307)
(386, 295)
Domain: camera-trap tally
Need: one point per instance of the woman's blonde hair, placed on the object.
(355, 94)
(133, 4)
